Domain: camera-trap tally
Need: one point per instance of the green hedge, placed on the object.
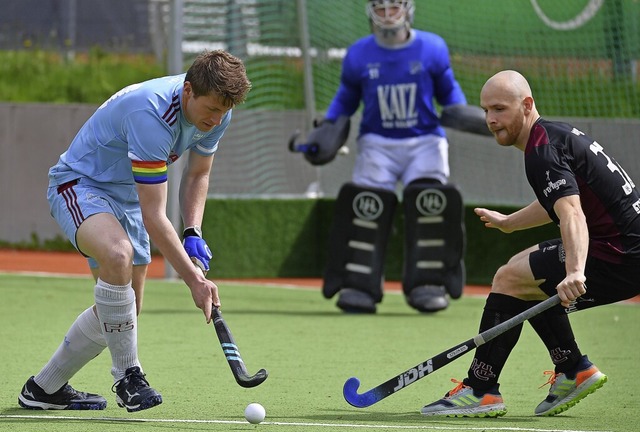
(288, 238)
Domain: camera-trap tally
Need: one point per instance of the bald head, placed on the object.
(509, 108)
(509, 84)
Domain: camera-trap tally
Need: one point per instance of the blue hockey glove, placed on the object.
(197, 248)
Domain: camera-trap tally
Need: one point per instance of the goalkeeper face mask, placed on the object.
(390, 20)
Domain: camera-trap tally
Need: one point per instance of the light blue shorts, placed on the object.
(73, 202)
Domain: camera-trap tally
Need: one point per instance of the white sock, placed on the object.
(82, 343)
(116, 305)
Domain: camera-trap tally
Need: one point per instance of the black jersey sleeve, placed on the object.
(549, 168)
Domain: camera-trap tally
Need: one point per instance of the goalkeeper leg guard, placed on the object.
(358, 241)
(434, 244)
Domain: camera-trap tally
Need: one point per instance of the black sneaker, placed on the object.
(133, 391)
(67, 398)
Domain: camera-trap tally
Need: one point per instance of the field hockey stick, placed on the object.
(232, 354)
(429, 366)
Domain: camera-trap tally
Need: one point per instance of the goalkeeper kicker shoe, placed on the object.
(33, 396)
(462, 401)
(569, 389)
(134, 393)
(356, 301)
(428, 298)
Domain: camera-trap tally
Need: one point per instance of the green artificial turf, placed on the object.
(309, 349)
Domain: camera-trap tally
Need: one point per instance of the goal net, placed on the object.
(580, 56)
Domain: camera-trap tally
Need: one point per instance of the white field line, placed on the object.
(268, 423)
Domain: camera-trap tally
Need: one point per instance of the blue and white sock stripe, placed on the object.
(231, 351)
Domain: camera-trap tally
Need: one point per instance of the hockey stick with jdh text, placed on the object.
(429, 366)
(232, 354)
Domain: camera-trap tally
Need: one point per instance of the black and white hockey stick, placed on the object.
(232, 354)
(429, 366)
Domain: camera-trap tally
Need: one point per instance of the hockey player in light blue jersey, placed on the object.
(399, 74)
(108, 193)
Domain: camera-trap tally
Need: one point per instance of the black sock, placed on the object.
(554, 328)
(491, 357)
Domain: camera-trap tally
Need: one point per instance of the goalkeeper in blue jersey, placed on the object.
(399, 74)
(108, 193)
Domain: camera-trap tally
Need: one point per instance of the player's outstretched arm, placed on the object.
(493, 219)
(531, 216)
(153, 199)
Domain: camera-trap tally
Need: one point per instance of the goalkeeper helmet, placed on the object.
(390, 15)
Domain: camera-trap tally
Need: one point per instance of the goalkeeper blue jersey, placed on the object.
(398, 86)
(134, 136)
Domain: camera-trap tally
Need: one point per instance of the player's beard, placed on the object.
(509, 133)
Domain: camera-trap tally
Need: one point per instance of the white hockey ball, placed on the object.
(254, 413)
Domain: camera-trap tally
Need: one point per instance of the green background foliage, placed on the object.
(587, 71)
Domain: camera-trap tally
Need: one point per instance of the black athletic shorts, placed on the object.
(606, 282)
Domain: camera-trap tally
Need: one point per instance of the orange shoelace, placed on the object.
(552, 378)
(457, 388)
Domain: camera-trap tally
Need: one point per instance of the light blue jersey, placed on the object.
(130, 139)
(134, 136)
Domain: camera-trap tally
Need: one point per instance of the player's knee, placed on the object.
(499, 281)
(118, 255)
(505, 281)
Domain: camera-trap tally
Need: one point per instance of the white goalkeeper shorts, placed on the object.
(383, 162)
